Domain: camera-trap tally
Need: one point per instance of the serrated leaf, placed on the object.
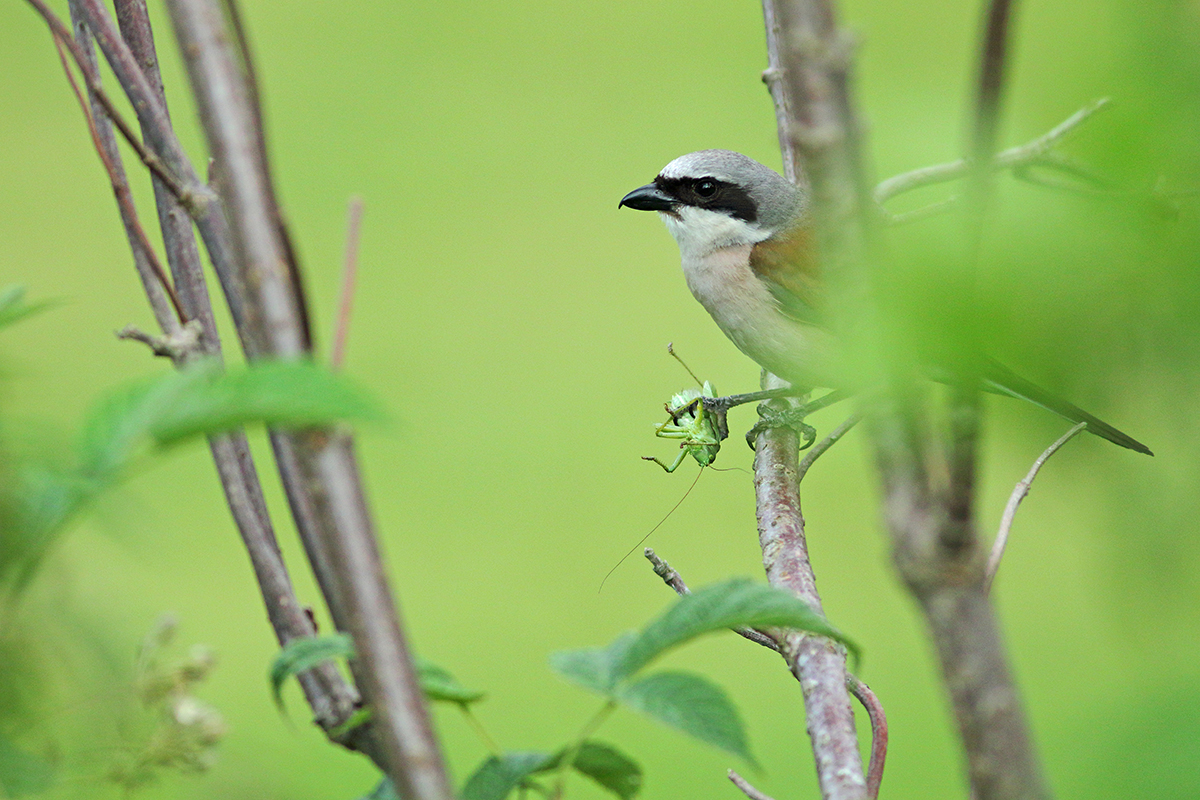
(592, 668)
(691, 704)
(496, 777)
(439, 685)
(607, 766)
(22, 773)
(305, 653)
(732, 603)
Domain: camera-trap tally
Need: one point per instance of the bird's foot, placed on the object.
(793, 418)
(719, 407)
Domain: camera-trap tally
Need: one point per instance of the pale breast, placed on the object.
(744, 308)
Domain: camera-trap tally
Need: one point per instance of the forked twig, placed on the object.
(879, 732)
(1035, 153)
(120, 186)
(92, 78)
(860, 690)
(1014, 501)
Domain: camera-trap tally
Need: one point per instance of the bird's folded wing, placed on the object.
(787, 265)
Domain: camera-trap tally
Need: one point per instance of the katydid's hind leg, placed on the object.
(673, 467)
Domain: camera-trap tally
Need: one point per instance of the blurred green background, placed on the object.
(514, 323)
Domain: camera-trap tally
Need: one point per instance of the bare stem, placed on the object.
(817, 663)
(319, 467)
(860, 690)
(821, 447)
(747, 789)
(930, 522)
(807, 75)
(330, 697)
(92, 76)
(879, 733)
(1014, 501)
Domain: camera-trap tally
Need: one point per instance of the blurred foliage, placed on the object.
(514, 319)
(176, 730)
(39, 499)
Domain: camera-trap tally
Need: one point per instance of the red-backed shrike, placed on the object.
(749, 259)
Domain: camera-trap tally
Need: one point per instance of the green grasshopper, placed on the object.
(690, 422)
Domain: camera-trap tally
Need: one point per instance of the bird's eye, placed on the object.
(706, 188)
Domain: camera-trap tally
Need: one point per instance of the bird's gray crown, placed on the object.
(748, 189)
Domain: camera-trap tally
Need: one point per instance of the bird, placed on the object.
(749, 257)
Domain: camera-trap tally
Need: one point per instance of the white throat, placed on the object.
(699, 231)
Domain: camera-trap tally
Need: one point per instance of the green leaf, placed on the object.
(203, 399)
(732, 603)
(22, 773)
(691, 704)
(593, 668)
(13, 306)
(607, 766)
(496, 777)
(439, 685)
(277, 393)
(43, 501)
(383, 791)
(305, 653)
(118, 429)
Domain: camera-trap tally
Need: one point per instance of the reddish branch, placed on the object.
(257, 270)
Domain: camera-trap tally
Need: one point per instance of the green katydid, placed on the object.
(690, 422)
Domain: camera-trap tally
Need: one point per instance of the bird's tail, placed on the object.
(1001, 380)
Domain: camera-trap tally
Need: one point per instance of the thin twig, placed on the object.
(672, 578)
(747, 789)
(1014, 501)
(177, 347)
(349, 281)
(179, 240)
(92, 78)
(991, 83)
(879, 732)
(144, 255)
(818, 450)
(1032, 153)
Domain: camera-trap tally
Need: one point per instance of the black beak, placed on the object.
(649, 198)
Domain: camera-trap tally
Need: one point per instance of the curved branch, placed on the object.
(1014, 501)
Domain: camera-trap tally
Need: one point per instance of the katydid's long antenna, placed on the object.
(656, 527)
(671, 350)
